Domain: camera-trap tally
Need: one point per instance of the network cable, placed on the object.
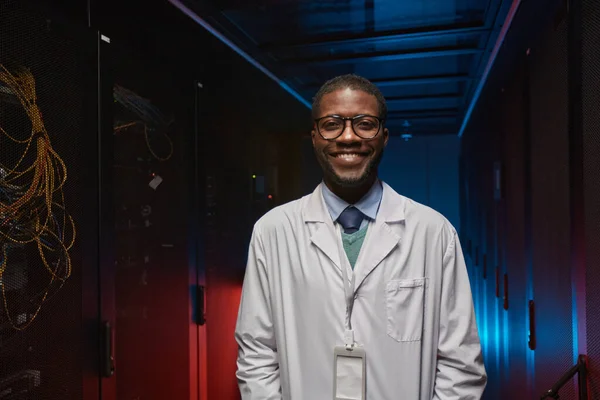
(32, 203)
(151, 119)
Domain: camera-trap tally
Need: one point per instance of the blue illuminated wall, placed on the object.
(425, 169)
(519, 225)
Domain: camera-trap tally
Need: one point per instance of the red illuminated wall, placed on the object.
(222, 298)
(250, 126)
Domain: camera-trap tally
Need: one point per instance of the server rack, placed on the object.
(123, 277)
(49, 185)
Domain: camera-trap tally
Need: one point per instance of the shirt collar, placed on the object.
(368, 205)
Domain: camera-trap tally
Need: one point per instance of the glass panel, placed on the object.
(152, 175)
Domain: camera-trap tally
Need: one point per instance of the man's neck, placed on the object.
(351, 195)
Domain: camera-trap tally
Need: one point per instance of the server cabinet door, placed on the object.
(148, 291)
(48, 207)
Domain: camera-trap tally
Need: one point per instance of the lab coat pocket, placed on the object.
(405, 300)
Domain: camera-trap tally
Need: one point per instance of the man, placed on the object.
(359, 271)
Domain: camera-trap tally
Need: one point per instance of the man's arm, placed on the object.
(460, 371)
(258, 366)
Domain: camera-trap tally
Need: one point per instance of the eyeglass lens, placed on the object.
(365, 127)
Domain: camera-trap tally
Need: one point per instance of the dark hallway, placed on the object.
(140, 142)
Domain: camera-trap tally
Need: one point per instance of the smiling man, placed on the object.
(354, 291)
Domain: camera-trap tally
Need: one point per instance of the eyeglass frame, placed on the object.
(379, 119)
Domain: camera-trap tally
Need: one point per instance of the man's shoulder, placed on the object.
(424, 213)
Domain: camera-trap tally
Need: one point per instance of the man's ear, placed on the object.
(313, 135)
(386, 135)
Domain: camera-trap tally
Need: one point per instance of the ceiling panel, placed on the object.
(423, 90)
(354, 48)
(425, 55)
(295, 22)
(393, 71)
(425, 103)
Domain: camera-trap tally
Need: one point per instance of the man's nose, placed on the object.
(348, 134)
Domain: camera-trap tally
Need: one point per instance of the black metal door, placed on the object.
(48, 207)
(148, 279)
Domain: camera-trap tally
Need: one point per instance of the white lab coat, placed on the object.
(413, 311)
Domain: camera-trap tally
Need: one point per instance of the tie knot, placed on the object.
(350, 219)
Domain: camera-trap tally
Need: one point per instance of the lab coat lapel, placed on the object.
(323, 234)
(381, 241)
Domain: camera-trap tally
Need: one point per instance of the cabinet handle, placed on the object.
(108, 361)
(200, 306)
(532, 335)
(506, 291)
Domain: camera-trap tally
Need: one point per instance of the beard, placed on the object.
(353, 182)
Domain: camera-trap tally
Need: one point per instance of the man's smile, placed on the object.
(347, 158)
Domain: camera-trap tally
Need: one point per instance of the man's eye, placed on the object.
(366, 125)
(330, 125)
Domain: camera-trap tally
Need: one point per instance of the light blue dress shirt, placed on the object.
(368, 205)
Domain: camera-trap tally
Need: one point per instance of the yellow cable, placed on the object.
(35, 209)
(150, 147)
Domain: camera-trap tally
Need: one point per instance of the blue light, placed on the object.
(506, 330)
(477, 301)
(486, 330)
(231, 45)
(574, 321)
(530, 354)
(497, 302)
(490, 64)
(497, 331)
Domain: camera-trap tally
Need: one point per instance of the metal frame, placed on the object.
(91, 257)
(576, 173)
(451, 112)
(106, 276)
(422, 80)
(89, 228)
(410, 80)
(386, 57)
(433, 32)
(581, 370)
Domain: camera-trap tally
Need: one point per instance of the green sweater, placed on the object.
(353, 243)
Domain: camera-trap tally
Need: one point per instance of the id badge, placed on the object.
(349, 374)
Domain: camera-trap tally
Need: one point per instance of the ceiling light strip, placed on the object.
(230, 44)
(505, 27)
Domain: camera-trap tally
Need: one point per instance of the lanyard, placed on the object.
(348, 291)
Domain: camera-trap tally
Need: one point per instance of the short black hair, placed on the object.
(349, 81)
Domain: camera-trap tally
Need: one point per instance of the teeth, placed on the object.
(347, 156)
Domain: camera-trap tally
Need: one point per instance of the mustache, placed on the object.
(371, 169)
(341, 146)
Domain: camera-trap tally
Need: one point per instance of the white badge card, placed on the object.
(349, 369)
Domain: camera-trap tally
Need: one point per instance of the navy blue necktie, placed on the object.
(350, 219)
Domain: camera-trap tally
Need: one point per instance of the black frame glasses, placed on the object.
(354, 121)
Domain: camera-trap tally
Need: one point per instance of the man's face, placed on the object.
(349, 161)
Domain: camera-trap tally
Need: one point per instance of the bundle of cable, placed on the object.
(32, 203)
(151, 120)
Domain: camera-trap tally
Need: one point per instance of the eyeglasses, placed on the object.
(331, 127)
